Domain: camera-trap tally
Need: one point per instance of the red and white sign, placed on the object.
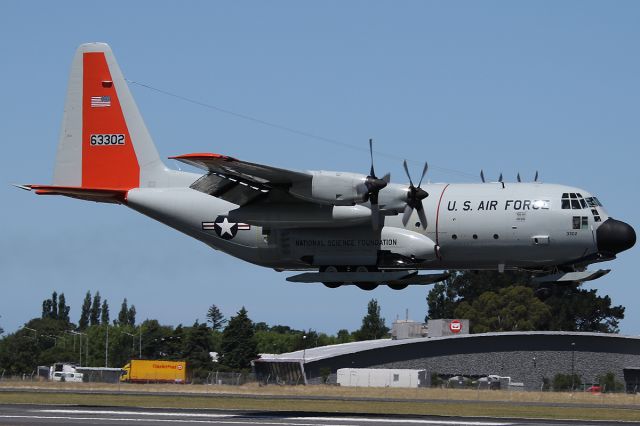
(455, 326)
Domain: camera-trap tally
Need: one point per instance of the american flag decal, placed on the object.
(100, 101)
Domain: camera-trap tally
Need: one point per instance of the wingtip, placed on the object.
(197, 155)
(25, 187)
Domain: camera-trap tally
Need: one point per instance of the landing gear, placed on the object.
(368, 286)
(397, 286)
(364, 285)
(331, 269)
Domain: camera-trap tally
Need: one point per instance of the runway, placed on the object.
(60, 415)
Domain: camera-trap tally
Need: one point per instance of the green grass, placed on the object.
(264, 403)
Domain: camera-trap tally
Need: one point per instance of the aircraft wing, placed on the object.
(242, 182)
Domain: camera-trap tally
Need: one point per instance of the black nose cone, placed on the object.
(615, 236)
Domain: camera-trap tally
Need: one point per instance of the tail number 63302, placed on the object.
(107, 140)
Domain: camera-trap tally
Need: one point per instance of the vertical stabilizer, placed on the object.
(104, 142)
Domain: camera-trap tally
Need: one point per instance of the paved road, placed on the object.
(57, 415)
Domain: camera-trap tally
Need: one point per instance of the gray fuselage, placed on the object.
(469, 226)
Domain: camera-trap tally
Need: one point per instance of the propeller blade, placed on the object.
(422, 216)
(372, 172)
(482, 176)
(535, 179)
(519, 180)
(407, 214)
(424, 172)
(406, 170)
(375, 216)
(387, 177)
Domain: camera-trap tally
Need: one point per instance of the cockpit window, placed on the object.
(574, 201)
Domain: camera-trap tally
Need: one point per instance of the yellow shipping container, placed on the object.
(143, 371)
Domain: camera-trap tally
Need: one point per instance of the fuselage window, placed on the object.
(576, 222)
(580, 222)
(575, 201)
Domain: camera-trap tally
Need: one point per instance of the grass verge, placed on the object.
(262, 403)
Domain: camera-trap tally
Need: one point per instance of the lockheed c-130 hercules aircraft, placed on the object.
(336, 227)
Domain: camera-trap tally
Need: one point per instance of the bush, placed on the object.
(325, 372)
(563, 382)
(436, 381)
(609, 383)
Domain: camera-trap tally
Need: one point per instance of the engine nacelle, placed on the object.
(408, 244)
(337, 188)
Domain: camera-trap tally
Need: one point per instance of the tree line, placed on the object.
(95, 341)
(513, 301)
(492, 301)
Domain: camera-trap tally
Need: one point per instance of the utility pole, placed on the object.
(140, 342)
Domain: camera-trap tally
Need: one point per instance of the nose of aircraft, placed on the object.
(615, 236)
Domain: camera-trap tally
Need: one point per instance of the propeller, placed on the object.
(415, 197)
(374, 185)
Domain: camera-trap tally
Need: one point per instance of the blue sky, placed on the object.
(502, 86)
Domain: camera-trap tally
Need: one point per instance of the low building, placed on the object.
(527, 358)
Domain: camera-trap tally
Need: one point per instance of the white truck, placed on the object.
(63, 372)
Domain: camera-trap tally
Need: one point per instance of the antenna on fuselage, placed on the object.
(535, 179)
(519, 180)
(500, 178)
(482, 175)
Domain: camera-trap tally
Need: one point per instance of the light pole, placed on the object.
(304, 348)
(106, 347)
(35, 332)
(133, 342)
(80, 334)
(573, 362)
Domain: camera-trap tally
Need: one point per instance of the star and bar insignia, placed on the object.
(225, 229)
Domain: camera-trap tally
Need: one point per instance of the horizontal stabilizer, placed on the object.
(568, 277)
(99, 195)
